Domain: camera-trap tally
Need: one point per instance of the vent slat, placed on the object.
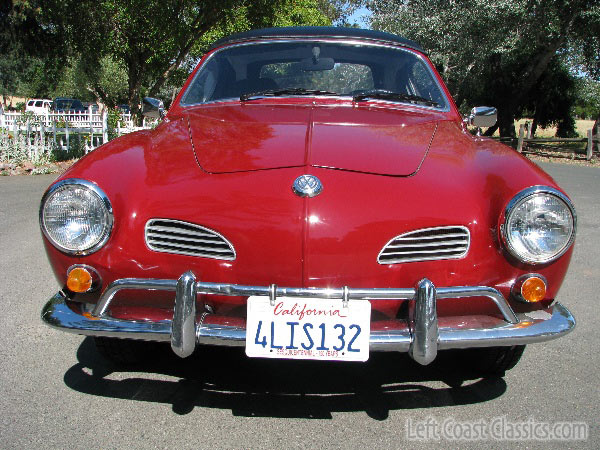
(427, 244)
(184, 238)
(215, 240)
(426, 252)
(437, 236)
(178, 231)
(189, 247)
(191, 253)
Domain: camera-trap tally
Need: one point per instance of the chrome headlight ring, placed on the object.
(516, 244)
(101, 229)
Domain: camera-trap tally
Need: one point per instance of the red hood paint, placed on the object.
(249, 137)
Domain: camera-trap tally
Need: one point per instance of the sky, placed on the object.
(359, 17)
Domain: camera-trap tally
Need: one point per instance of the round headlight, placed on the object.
(539, 225)
(76, 216)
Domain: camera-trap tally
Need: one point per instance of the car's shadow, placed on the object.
(219, 377)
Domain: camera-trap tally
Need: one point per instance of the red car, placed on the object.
(312, 193)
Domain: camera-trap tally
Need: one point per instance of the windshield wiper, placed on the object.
(289, 91)
(394, 96)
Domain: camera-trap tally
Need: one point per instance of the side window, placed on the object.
(422, 83)
(203, 87)
(38, 103)
(30, 103)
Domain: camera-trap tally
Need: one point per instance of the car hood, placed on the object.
(250, 137)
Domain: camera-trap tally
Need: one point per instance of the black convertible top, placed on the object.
(294, 32)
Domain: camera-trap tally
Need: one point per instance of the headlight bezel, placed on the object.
(105, 202)
(519, 199)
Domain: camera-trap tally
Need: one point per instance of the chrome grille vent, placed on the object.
(184, 238)
(426, 244)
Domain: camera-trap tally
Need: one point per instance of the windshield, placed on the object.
(316, 68)
(67, 103)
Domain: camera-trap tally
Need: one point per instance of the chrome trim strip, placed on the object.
(530, 330)
(430, 244)
(480, 291)
(183, 325)
(349, 42)
(129, 283)
(424, 345)
(427, 252)
(406, 236)
(155, 244)
(523, 195)
(211, 334)
(103, 198)
(157, 228)
(337, 293)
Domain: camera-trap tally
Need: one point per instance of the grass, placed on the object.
(581, 126)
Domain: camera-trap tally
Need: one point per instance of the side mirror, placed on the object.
(153, 108)
(483, 116)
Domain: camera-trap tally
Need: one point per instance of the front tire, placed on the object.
(494, 360)
(121, 351)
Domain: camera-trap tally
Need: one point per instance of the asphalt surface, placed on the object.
(56, 391)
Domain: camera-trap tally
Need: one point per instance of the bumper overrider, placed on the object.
(421, 335)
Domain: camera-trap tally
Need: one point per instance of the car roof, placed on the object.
(297, 32)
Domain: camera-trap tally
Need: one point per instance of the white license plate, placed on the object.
(297, 328)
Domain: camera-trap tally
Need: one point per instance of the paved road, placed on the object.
(57, 392)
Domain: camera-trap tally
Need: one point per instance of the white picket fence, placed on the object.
(60, 127)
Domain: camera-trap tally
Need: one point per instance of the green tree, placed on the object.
(152, 39)
(339, 11)
(30, 53)
(494, 50)
(552, 99)
(147, 43)
(588, 99)
(106, 81)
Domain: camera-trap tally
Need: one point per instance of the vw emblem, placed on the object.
(307, 186)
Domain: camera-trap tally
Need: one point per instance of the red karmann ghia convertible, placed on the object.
(312, 193)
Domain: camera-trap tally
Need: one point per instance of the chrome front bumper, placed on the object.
(422, 335)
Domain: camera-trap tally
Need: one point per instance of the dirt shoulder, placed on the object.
(563, 158)
(28, 168)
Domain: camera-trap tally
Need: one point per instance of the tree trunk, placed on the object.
(135, 71)
(202, 23)
(596, 134)
(538, 66)
(491, 130)
(178, 60)
(506, 121)
(534, 126)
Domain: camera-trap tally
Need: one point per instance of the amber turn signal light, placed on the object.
(79, 280)
(533, 289)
